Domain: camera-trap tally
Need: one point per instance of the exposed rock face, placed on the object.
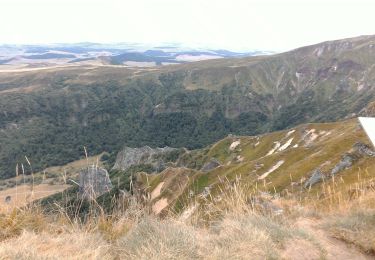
(359, 150)
(363, 149)
(212, 164)
(234, 145)
(316, 176)
(93, 182)
(157, 157)
(346, 162)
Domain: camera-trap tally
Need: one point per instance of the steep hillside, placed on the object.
(242, 195)
(300, 162)
(49, 115)
(309, 162)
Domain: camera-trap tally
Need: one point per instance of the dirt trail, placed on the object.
(334, 248)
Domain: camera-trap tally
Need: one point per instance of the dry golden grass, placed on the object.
(76, 245)
(353, 219)
(17, 221)
(240, 232)
(233, 228)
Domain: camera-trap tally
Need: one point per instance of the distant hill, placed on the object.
(46, 56)
(16, 56)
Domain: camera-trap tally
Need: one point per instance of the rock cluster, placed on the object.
(363, 149)
(157, 157)
(358, 151)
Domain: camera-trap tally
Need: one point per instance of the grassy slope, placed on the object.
(333, 141)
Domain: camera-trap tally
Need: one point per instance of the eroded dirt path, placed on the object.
(335, 249)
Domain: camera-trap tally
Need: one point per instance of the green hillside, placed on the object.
(280, 162)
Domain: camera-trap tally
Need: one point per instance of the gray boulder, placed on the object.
(316, 176)
(93, 182)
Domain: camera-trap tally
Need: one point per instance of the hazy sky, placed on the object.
(233, 24)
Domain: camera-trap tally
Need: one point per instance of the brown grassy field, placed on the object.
(24, 194)
(25, 189)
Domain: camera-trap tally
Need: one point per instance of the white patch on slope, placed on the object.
(159, 205)
(272, 169)
(240, 158)
(286, 145)
(156, 192)
(310, 137)
(324, 133)
(234, 145)
(290, 132)
(187, 57)
(275, 147)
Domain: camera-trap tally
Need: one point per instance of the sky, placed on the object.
(276, 25)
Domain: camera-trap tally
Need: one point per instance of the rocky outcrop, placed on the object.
(156, 157)
(210, 165)
(346, 162)
(358, 151)
(93, 182)
(316, 176)
(363, 149)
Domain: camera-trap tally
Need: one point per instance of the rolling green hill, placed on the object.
(48, 115)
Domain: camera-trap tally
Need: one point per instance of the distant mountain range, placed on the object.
(132, 55)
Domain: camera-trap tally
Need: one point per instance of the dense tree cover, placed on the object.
(52, 126)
